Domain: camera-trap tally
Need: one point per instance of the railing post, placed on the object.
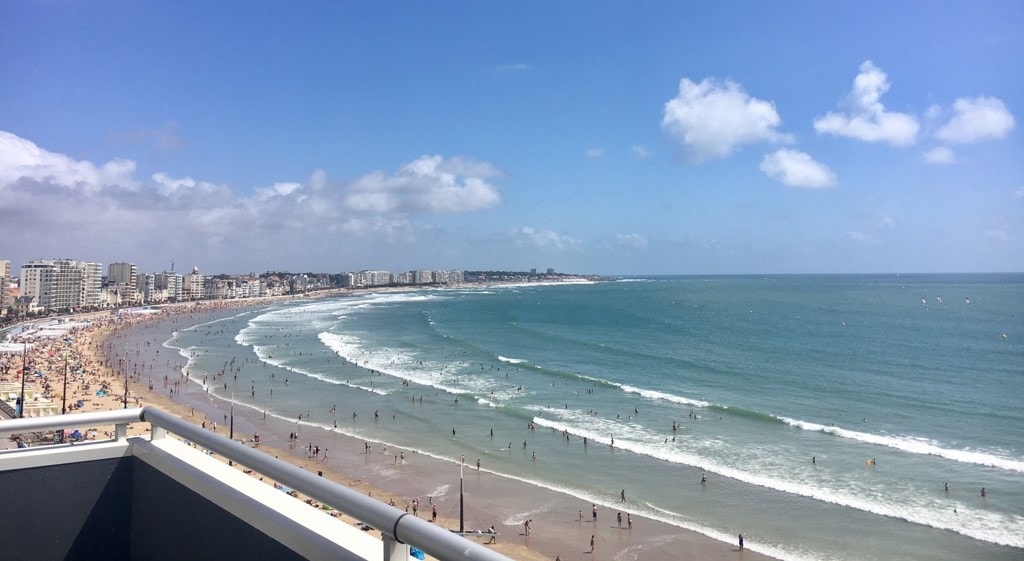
(121, 431)
(156, 433)
(394, 550)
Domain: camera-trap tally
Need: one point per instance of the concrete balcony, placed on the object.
(163, 498)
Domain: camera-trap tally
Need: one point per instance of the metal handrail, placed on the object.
(92, 418)
(390, 521)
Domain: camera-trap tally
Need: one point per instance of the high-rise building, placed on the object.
(166, 286)
(5, 286)
(60, 284)
(144, 288)
(192, 288)
(122, 279)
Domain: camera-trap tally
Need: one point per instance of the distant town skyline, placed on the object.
(640, 139)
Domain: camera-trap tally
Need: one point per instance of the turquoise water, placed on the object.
(923, 374)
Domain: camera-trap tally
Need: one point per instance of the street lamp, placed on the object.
(24, 371)
(64, 398)
(124, 367)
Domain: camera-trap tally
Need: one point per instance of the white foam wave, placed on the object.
(652, 394)
(913, 445)
(983, 525)
(512, 360)
(402, 365)
(440, 491)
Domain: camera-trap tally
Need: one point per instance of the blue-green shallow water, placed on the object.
(924, 374)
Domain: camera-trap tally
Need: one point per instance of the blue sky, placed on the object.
(600, 137)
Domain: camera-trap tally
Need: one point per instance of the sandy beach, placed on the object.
(103, 354)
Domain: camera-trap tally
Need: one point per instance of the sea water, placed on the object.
(824, 414)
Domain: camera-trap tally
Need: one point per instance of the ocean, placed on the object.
(826, 415)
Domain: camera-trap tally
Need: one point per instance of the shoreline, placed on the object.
(556, 529)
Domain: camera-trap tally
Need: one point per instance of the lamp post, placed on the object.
(123, 362)
(64, 398)
(24, 370)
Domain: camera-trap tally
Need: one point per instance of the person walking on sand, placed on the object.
(594, 511)
(741, 542)
(494, 534)
(591, 543)
(619, 517)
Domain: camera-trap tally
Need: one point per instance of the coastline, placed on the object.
(556, 528)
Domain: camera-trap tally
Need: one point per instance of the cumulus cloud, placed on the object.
(22, 159)
(797, 169)
(630, 241)
(277, 190)
(544, 239)
(940, 155)
(50, 203)
(428, 184)
(712, 118)
(641, 151)
(866, 118)
(977, 119)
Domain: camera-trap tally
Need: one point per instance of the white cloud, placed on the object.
(23, 159)
(975, 120)
(428, 184)
(641, 151)
(711, 119)
(797, 169)
(277, 190)
(318, 180)
(50, 202)
(940, 155)
(593, 153)
(187, 192)
(544, 239)
(867, 118)
(631, 241)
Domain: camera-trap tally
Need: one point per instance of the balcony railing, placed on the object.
(399, 530)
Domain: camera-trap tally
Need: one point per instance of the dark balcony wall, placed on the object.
(67, 512)
(172, 522)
